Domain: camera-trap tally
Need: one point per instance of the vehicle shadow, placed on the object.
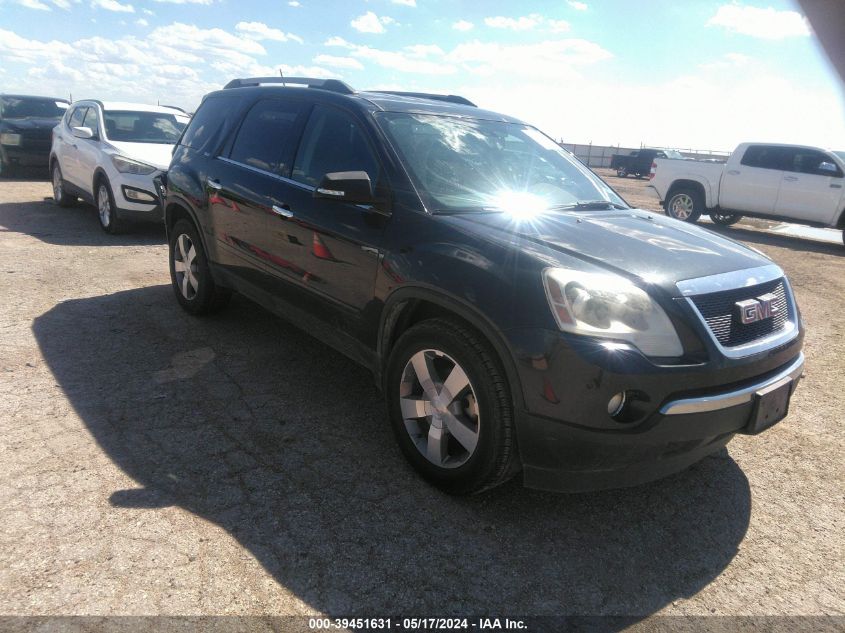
(767, 238)
(76, 225)
(251, 424)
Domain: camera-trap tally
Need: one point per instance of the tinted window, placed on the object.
(28, 107)
(265, 138)
(332, 142)
(210, 124)
(765, 157)
(92, 120)
(76, 116)
(808, 161)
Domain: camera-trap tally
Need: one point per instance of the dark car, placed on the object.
(26, 127)
(638, 162)
(516, 312)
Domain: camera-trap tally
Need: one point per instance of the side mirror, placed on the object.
(346, 186)
(83, 132)
(828, 168)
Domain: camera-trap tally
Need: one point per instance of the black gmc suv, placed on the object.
(516, 312)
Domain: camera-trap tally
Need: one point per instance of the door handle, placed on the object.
(214, 184)
(833, 185)
(282, 210)
(733, 172)
(790, 178)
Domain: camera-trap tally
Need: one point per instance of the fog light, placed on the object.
(616, 404)
(136, 195)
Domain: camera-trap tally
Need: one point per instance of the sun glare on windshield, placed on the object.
(520, 205)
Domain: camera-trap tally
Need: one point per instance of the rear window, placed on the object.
(210, 124)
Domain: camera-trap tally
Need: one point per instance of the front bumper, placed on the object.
(569, 442)
(149, 209)
(25, 156)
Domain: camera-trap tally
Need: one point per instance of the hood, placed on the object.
(155, 154)
(631, 242)
(24, 125)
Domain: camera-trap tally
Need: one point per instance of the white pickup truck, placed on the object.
(792, 183)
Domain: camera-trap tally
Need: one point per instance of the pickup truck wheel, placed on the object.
(622, 172)
(685, 205)
(725, 219)
(450, 407)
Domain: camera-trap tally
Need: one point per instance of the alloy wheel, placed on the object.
(57, 184)
(439, 408)
(104, 205)
(185, 266)
(682, 206)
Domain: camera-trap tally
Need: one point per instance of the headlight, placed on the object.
(610, 306)
(128, 166)
(9, 138)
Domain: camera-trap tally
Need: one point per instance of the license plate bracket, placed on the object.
(771, 405)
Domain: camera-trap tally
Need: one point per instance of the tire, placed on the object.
(725, 219)
(107, 213)
(60, 195)
(480, 408)
(685, 205)
(622, 172)
(190, 276)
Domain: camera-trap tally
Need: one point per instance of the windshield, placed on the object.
(27, 107)
(143, 127)
(470, 165)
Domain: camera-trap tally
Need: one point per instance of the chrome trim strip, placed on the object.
(264, 172)
(729, 281)
(728, 399)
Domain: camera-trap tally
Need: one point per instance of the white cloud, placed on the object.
(578, 6)
(338, 62)
(524, 23)
(766, 23)
(370, 23)
(186, 1)
(407, 3)
(34, 4)
(728, 60)
(142, 22)
(337, 41)
(294, 3)
(112, 5)
(260, 31)
(558, 26)
(552, 58)
(462, 25)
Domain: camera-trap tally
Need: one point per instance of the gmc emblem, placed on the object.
(753, 310)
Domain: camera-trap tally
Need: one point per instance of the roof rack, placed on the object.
(332, 85)
(428, 95)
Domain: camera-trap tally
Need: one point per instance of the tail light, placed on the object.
(653, 170)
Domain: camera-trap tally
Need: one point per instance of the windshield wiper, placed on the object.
(591, 205)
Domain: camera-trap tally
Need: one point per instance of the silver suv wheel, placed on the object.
(439, 408)
(185, 266)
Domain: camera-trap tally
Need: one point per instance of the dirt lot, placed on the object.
(151, 463)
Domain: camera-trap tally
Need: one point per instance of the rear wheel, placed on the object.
(60, 196)
(450, 407)
(725, 219)
(622, 172)
(190, 273)
(685, 205)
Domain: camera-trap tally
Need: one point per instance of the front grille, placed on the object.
(718, 309)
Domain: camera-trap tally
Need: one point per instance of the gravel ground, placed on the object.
(152, 463)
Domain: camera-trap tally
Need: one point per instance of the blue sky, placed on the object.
(700, 74)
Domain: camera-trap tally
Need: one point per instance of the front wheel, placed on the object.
(106, 209)
(622, 172)
(725, 219)
(450, 407)
(190, 273)
(685, 205)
